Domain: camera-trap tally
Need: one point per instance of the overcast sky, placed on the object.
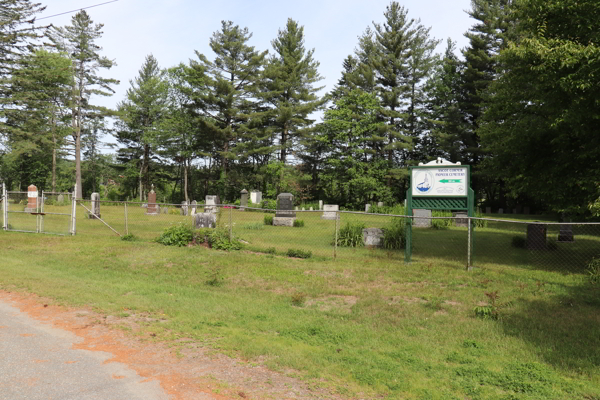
(172, 29)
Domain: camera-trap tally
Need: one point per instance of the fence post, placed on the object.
(41, 215)
(126, 225)
(4, 208)
(74, 212)
(230, 224)
(337, 229)
(469, 244)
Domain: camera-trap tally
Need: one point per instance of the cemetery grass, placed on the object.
(366, 325)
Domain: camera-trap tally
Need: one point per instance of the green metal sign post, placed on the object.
(440, 185)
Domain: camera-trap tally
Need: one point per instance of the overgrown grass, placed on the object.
(367, 325)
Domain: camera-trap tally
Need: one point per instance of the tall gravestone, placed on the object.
(153, 208)
(367, 208)
(285, 215)
(194, 207)
(61, 199)
(423, 218)
(243, 199)
(210, 204)
(256, 197)
(320, 205)
(95, 206)
(205, 220)
(32, 199)
(184, 208)
(330, 211)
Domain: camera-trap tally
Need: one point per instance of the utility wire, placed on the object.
(79, 9)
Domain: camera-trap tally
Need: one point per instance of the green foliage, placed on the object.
(519, 242)
(396, 209)
(176, 235)
(268, 220)
(219, 240)
(441, 223)
(593, 270)
(298, 299)
(485, 312)
(269, 204)
(479, 223)
(271, 250)
(351, 235)
(394, 235)
(129, 238)
(215, 276)
(298, 223)
(299, 253)
(254, 226)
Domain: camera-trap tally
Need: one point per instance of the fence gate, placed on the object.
(50, 213)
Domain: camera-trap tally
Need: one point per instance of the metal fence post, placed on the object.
(230, 224)
(41, 211)
(126, 225)
(74, 212)
(469, 239)
(337, 229)
(4, 208)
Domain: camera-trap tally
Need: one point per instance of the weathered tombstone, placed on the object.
(320, 205)
(461, 221)
(501, 211)
(243, 199)
(372, 237)
(256, 197)
(565, 233)
(488, 210)
(526, 210)
(367, 207)
(165, 210)
(330, 211)
(184, 208)
(32, 199)
(95, 206)
(311, 209)
(285, 215)
(425, 218)
(296, 208)
(211, 202)
(536, 236)
(303, 209)
(380, 204)
(205, 220)
(193, 207)
(60, 199)
(152, 209)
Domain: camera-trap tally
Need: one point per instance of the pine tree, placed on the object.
(79, 41)
(141, 117)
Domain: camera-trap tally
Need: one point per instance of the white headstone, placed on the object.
(256, 197)
(311, 209)
(330, 211)
(422, 222)
(320, 204)
(61, 198)
(380, 204)
(194, 205)
(210, 203)
(367, 207)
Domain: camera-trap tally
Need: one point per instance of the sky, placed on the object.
(172, 29)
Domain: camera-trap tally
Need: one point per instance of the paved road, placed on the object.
(37, 362)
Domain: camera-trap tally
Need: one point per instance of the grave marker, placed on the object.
(153, 208)
(284, 215)
(424, 221)
(95, 206)
(330, 211)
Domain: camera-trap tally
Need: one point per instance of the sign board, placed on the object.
(440, 181)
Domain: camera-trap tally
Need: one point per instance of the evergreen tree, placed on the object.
(79, 41)
(141, 117)
(288, 87)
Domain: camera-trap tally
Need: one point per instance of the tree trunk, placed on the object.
(284, 136)
(185, 181)
(77, 126)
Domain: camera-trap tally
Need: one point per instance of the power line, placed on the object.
(79, 9)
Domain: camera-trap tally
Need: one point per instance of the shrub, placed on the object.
(176, 235)
(129, 237)
(397, 209)
(394, 235)
(351, 235)
(518, 242)
(253, 226)
(215, 276)
(268, 220)
(299, 253)
(480, 223)
(219, 239)
(593, 270)
(269, 204)
(441, 223)
(271, 250)
(298, 223)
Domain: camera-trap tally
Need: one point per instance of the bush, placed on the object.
(397, 209)
(480, 223)
(593, 270)
(174, 211)
(298, 223)
(351, 235)
(394, 235)
(176, 235)
(253, 226)
(269, 204)
(441, 223)
(271, 250)
(219, 239)
(299, 253)
(518, 242)
(268, 220)
(129, 238)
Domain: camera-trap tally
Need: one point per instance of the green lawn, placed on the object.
(364, 325)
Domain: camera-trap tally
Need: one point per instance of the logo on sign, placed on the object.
(424, 181)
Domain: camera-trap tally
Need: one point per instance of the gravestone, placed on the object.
(330, 211)
(205, 220)
(152, 209)
(536, 236)
(145, 205)
(284, 215)
(243, 199)
(373, 237)
(165, 210)
(303, 209)
(256, 197)
(184, 208)
(565, 234)
(380, 204)
(296, 208)
(526, 210)
(32, 199)
(424, 221)
(211, 202)
(367, 208)
(311, 209)
(61, 199)
(194, 207)
(461, 220)
(95, 206)
(501, 211)
(488, 210)
(320, 205)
